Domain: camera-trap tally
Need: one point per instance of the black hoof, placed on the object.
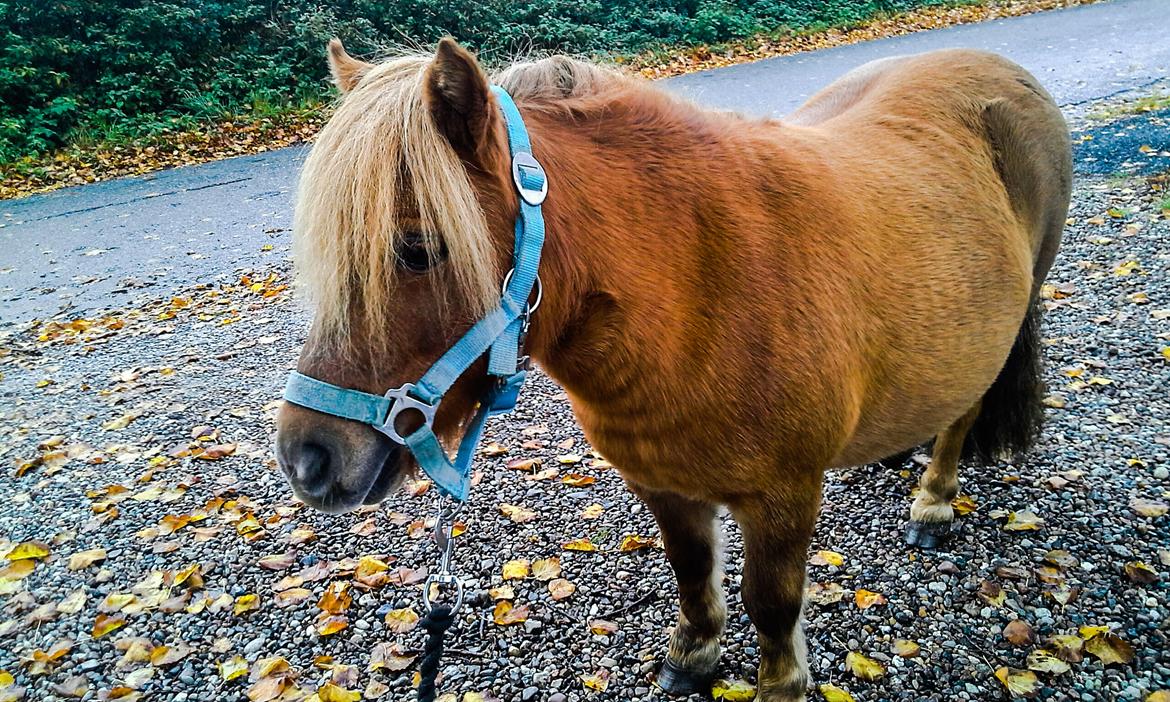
(927, 534)
(676, 681)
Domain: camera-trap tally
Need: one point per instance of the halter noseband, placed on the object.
(500, 333)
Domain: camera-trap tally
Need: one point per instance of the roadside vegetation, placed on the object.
(93, 90)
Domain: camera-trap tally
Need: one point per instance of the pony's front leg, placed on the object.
(777, 527)
(688, 534)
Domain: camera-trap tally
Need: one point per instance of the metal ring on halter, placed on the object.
(537, 286)
(400, 401)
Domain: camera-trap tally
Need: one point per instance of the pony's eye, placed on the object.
(414, 256)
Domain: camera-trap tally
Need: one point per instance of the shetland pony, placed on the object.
(733, 305)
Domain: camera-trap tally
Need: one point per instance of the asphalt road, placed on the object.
(96, 246)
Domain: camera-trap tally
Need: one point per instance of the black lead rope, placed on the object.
(435, 623)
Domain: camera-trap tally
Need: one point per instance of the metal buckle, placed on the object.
(446, 543)
(400, 401)
(523, 159)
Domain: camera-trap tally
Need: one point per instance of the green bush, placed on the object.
(78, 70)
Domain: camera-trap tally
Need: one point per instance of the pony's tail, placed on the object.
(1013, 409)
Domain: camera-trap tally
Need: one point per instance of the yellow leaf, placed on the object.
(633, 542)
(1025, 520)
(336, 598)
(518, 514)
(964, 505)
(28, 549)
(866, 599)
(579, 545)
(597, 682)
(832, 693)
(233, 668)
(516, 569)
(505, 614)
(594, 511)
(863, 667)
(401, 621)
(1020, 683)
(84, 559)
(733, 690)
(332, 693)
(827, 558)
(246, 603)
(1158, 696)
(389, 656)
(163, 656)
(105, 623)
(578, 480)
(1042, 661)
(329, 625)
(1109, 648)
(503, 592)
(1149, 508)
(905, 649)
(546, 568)
(602, 627)
(121, 422)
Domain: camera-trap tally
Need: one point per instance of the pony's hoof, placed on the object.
(927, 534)
(677, 681)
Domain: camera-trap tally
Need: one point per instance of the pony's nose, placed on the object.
(308, 468)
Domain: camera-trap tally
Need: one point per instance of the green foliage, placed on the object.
(77, 70)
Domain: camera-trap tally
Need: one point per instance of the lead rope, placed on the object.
(439, 617)
(435, 623)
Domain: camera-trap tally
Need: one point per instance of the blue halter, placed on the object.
(499, 333)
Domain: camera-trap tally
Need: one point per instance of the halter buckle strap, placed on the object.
(500, 334)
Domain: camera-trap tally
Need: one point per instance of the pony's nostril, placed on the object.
(311, 467)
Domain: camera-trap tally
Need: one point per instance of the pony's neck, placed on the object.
(627, 174)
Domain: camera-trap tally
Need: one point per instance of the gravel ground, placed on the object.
(159, 417)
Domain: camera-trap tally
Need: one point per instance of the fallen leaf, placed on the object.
(1020, 683)
(234, 667)
(546, 568)
(333, 693)
(633, 542)
(163, 656)
(518, 514)
(602, 627)
(832, 693)
(866, 599)
(84, 559)
(826, 593)
(1019, 633)
(1141, 573)
(561, 589)
(579, 545)
(401, 621)
(105, 624)
(593, 511)
(516, 569)
(905, 649)
(246, 603)
(733, 690)
(1148, 508)
(28, 549)
(863, 667)
(597, 682)
(1043, 661)
(827, 558)
(1109, 648)
(1067, 647)
(389, 656)
(506, 614)
(1025, 520)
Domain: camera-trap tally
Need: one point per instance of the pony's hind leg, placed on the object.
(931, 514)
(777, 527)
(688, 534)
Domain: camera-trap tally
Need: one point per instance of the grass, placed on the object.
(1150, 103)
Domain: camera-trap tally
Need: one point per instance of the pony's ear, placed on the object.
(459, 99)
(346, 70)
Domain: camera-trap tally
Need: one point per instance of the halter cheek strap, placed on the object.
(500, 334)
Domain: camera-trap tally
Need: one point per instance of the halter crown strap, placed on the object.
(498, 333)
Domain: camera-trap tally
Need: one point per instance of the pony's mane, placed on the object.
(381, 145)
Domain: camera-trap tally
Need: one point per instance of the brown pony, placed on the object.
(734, 305)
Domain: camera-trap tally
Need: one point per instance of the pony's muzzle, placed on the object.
(335, 465)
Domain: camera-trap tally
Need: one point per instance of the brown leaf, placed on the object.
(1019, 633)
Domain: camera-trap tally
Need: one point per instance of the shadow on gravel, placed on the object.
(1132, 145)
